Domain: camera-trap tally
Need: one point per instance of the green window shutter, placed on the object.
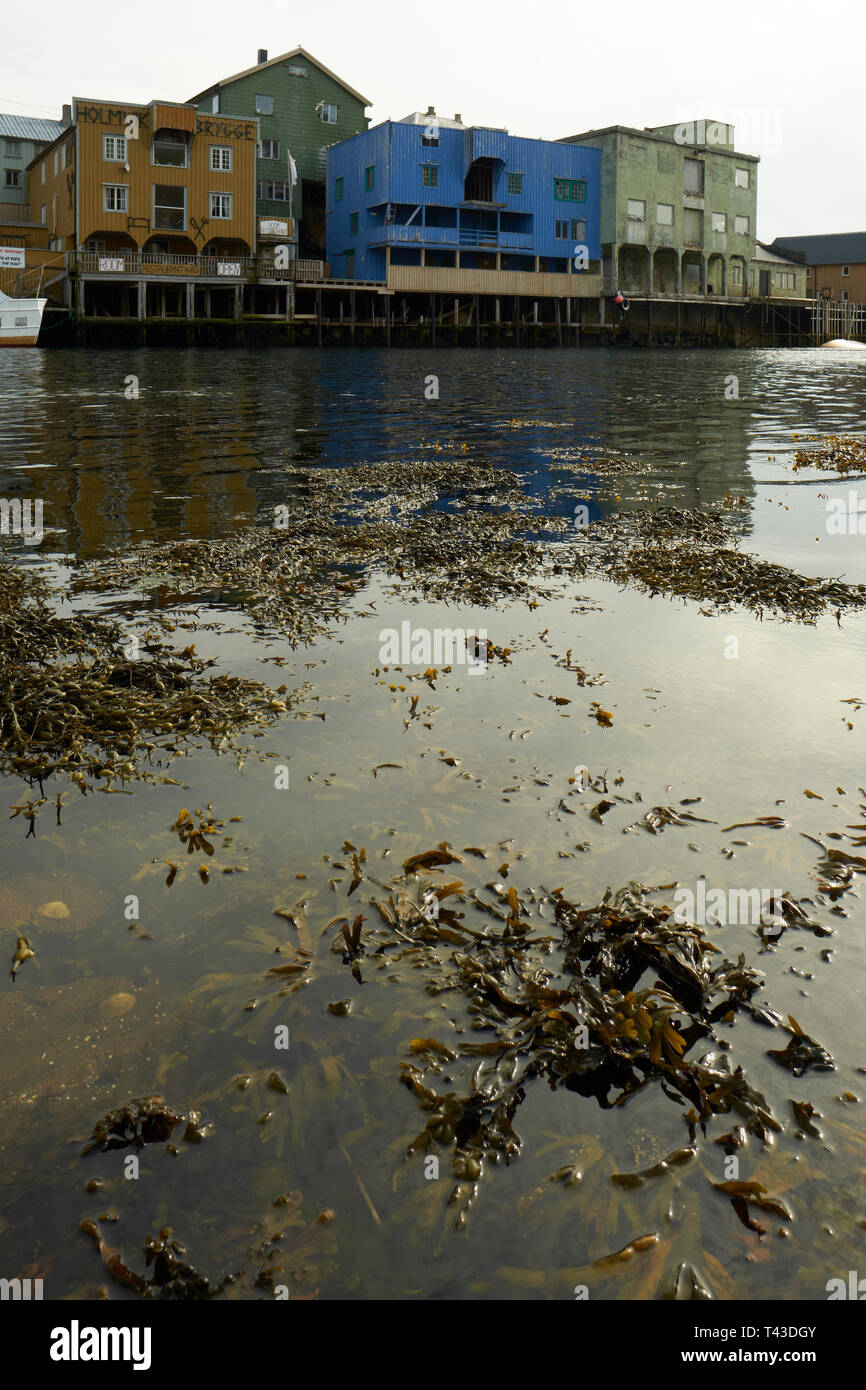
(369, 176)
(353, 224)
(338, 190)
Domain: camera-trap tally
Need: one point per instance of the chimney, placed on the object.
(66, 116)
(431, 110)
(263, 55)
(458, 118)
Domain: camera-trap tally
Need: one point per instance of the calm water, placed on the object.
(204, 449)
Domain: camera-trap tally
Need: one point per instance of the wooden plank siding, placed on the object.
(74, 197)
(528, 284)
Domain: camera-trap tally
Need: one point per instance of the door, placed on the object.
(764, 283)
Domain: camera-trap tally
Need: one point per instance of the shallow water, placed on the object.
(205, 449)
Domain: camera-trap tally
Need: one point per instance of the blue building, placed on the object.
(429, 203)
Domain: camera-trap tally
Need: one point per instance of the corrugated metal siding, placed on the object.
(397, 152)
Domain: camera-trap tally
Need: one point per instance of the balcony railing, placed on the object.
(453, 236)
(163, 264)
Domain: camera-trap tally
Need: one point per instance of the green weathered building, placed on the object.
(303, 108)
(678, 209)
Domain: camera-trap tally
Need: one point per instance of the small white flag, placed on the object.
(293, 171)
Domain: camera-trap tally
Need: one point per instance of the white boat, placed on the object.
(20, 321)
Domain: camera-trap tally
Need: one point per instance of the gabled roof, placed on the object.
(282, 58)
(29, 127)
(834, 248)
(763, 252)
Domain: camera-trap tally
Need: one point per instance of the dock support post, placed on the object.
(433, 319)
(476, 311)
(517, 320)
(142, 300)
(387, 299)
(352, 314)
(318, 316)
(558, 323)
(190, 300)
(238, 302)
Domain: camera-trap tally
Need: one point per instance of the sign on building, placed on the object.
(228, 267)
(112, 263)
(273, 227)
(12, 257)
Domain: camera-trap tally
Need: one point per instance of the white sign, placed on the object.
(228, 267)
(273, 227)
(112, 263)
(12, 257)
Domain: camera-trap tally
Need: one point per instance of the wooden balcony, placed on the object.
(126, 265)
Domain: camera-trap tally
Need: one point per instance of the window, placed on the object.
(369, 177)
(115, 198)
(515, 184)
(169, 207)
(636, 210)
(353, 224)
(569, 190)
(170, 147)
(720, 222)
(221, 205)
(338, 190)
(13, 178)
(264, 106)
(741, 178)
(330, 113)
(63, 149)
(42, 218)
(270, 149)
(297, 71)
(846, 270)
(430, 175)
(432, 140)
(785, 280)
(55, 163)
(43, 171)
(808, 272)
(578, 229)
(736, 275)
(845, 294)
(215, 103)
(665, 214)
(693, 177)
(277, 191)
(741, 226)
(562, 231)
(114, 148)
(221, 159)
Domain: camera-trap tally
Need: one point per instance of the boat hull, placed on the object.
(20, 321)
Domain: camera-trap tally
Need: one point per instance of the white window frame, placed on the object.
(328, 106)
(738, 230)
(736, 275)
(185, 208)
(723, 218)
(114, 143)
(741, 178)
(272, 143)
(63, 148)
(42, 218)
(665, 221)
(220, 200)
(13, 182)
(846, 295)
(846, 270)
(118, 188)
(263, 96)
(55, 163)
(215, 103)
(636, 203)
(43, 172)
(217, 159)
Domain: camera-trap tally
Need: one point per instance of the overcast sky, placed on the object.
(786, 75)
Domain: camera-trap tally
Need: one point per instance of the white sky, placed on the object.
(786, 75)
